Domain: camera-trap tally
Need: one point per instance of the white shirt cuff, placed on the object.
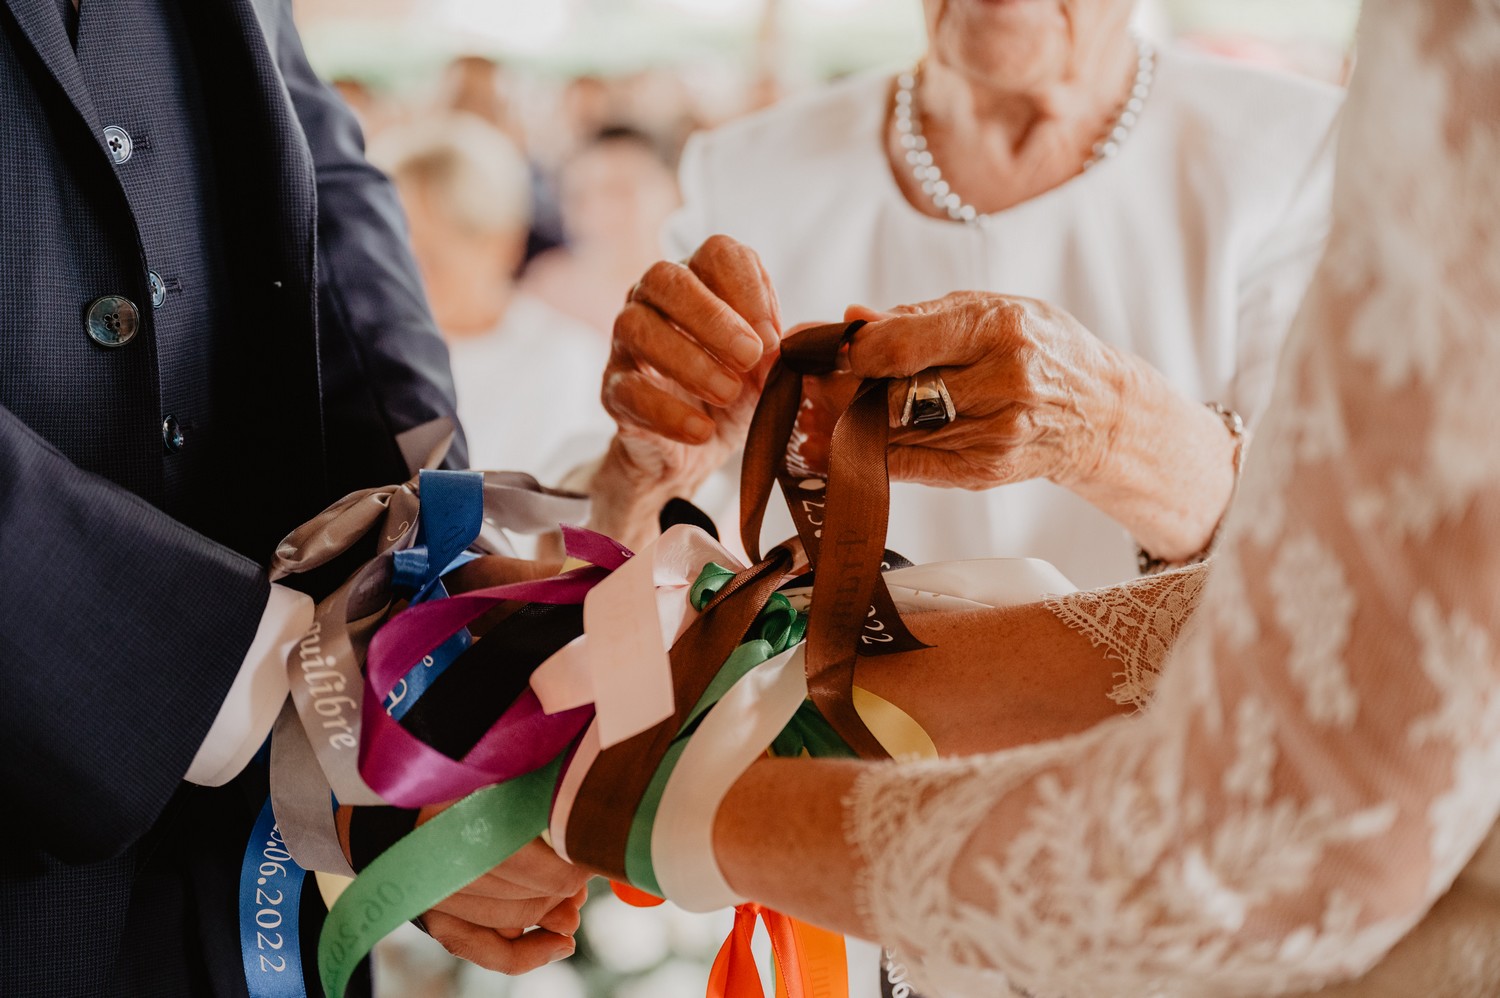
(257, 694)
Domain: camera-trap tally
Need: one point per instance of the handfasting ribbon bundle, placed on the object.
(624, 740)
(508, 775)
(316, 741)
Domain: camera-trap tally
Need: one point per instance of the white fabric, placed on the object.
(1319, 763)
(1191, 248)
(257, 693)
(528, 392)
(1137, 624)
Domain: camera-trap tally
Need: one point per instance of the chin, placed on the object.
(1002, 42)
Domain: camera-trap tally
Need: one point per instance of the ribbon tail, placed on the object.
(734, 974)
(810, 961)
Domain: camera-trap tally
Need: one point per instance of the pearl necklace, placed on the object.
(927, 174)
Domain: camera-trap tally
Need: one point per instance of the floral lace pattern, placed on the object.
(1137, 623)
(1318, 764)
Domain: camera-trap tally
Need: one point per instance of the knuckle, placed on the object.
(663, 274)
(717, 245)
(627, 329)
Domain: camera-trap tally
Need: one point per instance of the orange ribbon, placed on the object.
(810, 962)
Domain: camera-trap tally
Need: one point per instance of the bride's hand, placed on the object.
(690, 354)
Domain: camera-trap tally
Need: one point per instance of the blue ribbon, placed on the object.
(451, 516)
(270, 903)
(452, 513)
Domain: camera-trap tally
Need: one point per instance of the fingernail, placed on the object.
(700, 427)
(745, 351)
(726, 388)
(562, 952)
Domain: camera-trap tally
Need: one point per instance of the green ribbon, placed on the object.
(778, 627)
(638, 866)
(809, 731)
(434, 861)
(710, 580)
(472, 837)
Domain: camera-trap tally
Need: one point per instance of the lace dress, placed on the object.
(1322, 757)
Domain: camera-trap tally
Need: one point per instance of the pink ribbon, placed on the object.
(630, 621)
(406, 771)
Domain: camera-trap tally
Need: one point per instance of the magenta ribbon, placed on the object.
(406, 771)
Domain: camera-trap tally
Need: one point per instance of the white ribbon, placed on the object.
(728, 740)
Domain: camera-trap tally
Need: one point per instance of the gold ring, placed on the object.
(928, 404)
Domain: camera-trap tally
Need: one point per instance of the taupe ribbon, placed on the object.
(324, 668)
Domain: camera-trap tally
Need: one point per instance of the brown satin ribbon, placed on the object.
(841, 521)
(852, 610)
(599, 825)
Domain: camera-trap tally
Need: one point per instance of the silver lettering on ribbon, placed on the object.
(325, 685)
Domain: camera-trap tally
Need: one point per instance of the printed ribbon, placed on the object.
(324, 668)
(466, 840)
(852, 610)
(437, 859)
(270, 902)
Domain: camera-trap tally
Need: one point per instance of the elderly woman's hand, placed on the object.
(1038, 396)
(691, 352)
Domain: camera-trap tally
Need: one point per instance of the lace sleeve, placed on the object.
(1319, 761)
(1136, 624)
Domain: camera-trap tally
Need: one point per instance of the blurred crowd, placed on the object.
(534, 205)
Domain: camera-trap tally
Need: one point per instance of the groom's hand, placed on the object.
(520, 916)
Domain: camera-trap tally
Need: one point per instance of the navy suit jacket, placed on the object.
(123, 621)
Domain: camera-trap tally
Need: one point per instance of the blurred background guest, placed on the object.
(615, 193)
(526, 374)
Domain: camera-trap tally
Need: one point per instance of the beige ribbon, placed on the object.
(324, 669)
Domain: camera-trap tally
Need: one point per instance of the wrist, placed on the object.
(1168, 467)
(626, 500)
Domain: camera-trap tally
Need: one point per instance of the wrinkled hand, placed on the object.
(1036, 394)
(490, 922)
(690, 354)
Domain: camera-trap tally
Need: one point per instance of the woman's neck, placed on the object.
(998, 147)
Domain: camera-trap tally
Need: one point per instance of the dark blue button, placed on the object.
(112, 321)
(171, 434)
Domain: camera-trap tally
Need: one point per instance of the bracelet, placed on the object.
(1149, 564)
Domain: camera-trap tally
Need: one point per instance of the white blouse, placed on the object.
(1191, 247)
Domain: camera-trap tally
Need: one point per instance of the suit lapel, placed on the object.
(43, 26)
(268, 13)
